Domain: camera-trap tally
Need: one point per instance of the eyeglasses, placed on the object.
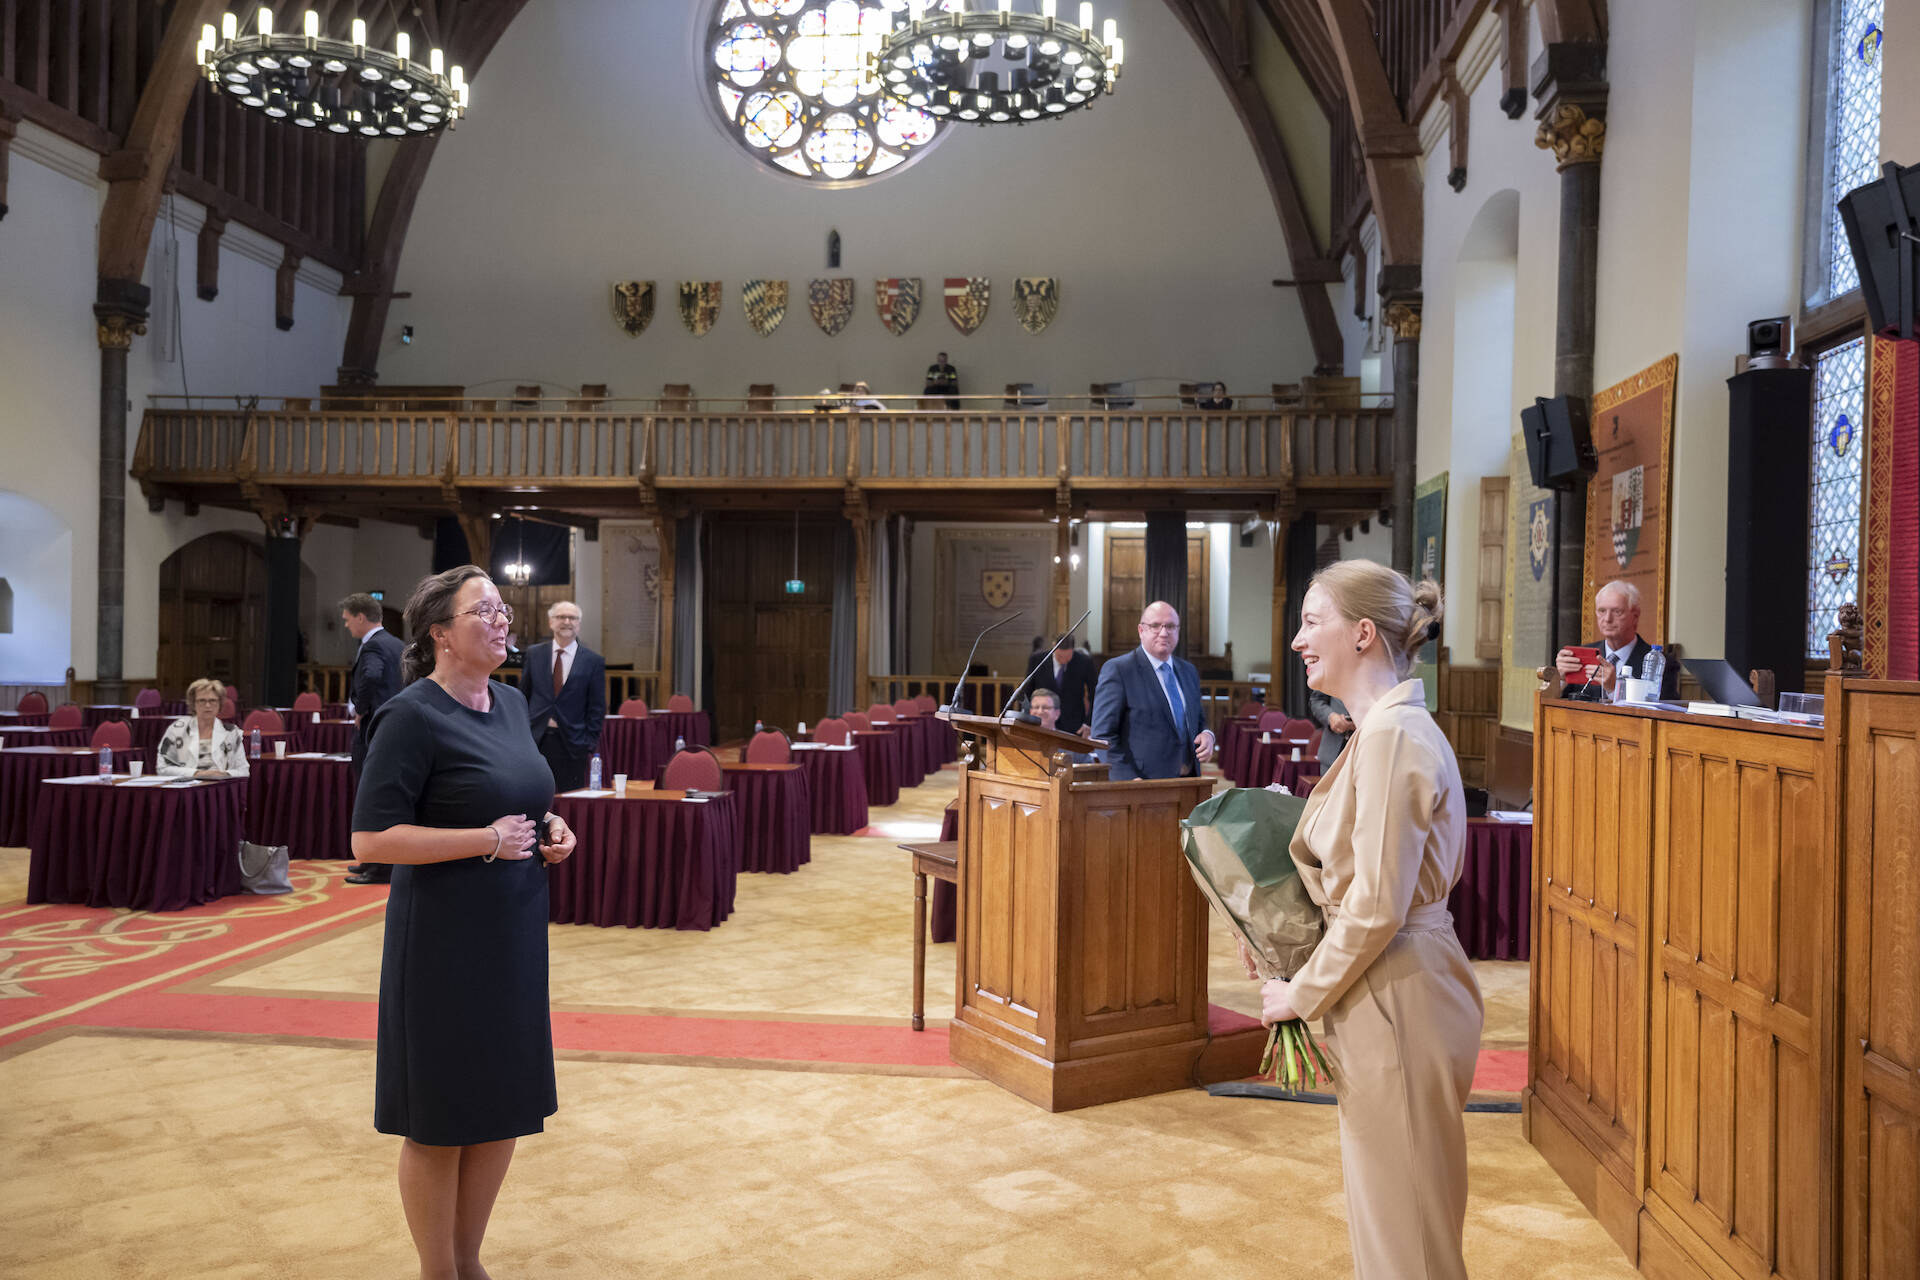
(490, 614)
(1160, 626)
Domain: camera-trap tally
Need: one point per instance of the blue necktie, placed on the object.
(1173, 695)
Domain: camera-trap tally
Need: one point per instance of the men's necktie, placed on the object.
(1173, 695)
(559, 672)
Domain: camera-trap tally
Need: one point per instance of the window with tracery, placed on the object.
(1839, 441)
(791, 79)
(1852, 128)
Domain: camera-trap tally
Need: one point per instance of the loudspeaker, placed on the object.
(1882, 221)
(1559, 441)
(1769, 487)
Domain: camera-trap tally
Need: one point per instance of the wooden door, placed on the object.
(1126, 591)
(1491, 596)
(212, 614)
(770, 649)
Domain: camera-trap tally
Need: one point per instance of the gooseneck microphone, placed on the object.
(953, 705)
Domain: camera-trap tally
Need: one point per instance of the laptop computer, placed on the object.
(1722, 683)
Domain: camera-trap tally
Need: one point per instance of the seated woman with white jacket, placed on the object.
(200, 745)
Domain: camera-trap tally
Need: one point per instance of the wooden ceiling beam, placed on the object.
(1389, 145)
(1572, 21)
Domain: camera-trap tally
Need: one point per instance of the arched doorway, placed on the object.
(213, 613)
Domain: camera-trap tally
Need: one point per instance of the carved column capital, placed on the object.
(116, 332)
(1403, 317)
(1573, 136)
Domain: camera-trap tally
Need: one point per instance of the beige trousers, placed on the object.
(1404, 1040)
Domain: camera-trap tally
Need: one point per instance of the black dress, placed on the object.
(466, 1046)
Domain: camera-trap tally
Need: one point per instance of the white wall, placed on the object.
(1150, 210)
(36, 559)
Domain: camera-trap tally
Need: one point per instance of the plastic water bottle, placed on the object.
(106, 764)
(253, 744)
(759, 726)
(593, 773)
(1656, 669)
(680, 744)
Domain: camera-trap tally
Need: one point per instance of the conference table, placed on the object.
(326, 737)
(776, 815)
(305, 802)
(647, 860)
(23, 769)
(1288, 773)
(148, 844)
(1234, 735)
(24, 717)
(837, 787)
(40, 735)
(1261, 757)
(1492, 905)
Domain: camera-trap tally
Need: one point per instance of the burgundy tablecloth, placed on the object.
(95, 716)
(335, 737)
(1261, 757)
(837, 783)
(695, 726)
(880, 756)
(654, 863)
(941, 923)
(912, 749)
(24, 718)
(1288, 772)
(1493, 903)
(629, 745)
(1234, 737)
(22, 769)
(39, 735)
(305, 804)
(776, 815)
(147, 848)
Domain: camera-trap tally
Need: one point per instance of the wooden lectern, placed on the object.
(1082, 974)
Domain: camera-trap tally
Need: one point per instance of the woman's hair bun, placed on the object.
(1423, 624)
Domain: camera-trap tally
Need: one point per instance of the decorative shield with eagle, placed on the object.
(699, 305)
(831, 302)
(1629, 507)
(996, 587)
(967, 301)
(898, 300)
(1540, 536)
(1036, 299)
(765, 302)
(633, 305)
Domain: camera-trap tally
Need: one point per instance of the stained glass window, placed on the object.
(794, 83)
(1839, 440)
(1853, 124)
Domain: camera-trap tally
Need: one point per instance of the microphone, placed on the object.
(1009, 715)
(953, 706)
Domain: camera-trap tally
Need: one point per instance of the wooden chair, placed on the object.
(857, 721)
(297, 404)
(34, 703)
(833, 732)
(1286, 395)
(265, 719)
(926, 403)
(66, 716)
(308, 701)
(1330, 392)
(760, 397)
(634, 708)
(1273, 720)
(676, 397)
(769, 747)
(695, 769)
(592, 396)
(113, 733)
(1190, 395)
(679, 702)
(526, 395)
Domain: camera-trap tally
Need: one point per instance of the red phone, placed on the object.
(1588, 658)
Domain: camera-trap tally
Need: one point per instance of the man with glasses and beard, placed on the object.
(1147, 706)
(566, 687)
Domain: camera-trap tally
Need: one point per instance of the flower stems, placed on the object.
(1293, 1059)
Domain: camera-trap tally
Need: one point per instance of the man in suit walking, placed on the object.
(1147, 706)
(376, 676)
(1069, 673)
(566, 687)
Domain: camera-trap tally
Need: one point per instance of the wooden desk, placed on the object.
(941, 860)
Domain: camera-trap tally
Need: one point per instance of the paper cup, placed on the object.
(1641, 690)
(280, 749)
(136, 767)
(620, 784)
(1266, 737)
(316, 717)
(1296, 753)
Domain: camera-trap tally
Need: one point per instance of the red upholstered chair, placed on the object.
(146, 698)
(679, 702)
(770, 747)
(696, 769)
(832, 732)
(32, 704)
(114, 733)
(1298, 729)
(265, 719)
(857, 721)
(634, 708)
(66, 716)
(905, 707)
(880, 713)
(308, 701)
(1272, 721)
(926, 702)
(230, 705)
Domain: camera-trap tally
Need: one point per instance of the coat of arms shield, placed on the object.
(633, 305)
(898, 300)
(1629, 508)
(699, 305)
(966, 301)
(765, 302)
(1036, 299)
(831, 302)
(996, 587)
(1539, 536)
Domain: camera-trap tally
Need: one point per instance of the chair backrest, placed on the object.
(760, 397)
(146, 698)
(265, 719)
(1189, 395)
(847, 388)
(113, 733)
(832, 732)
(857, 721)
(676, 397)
(229, 705)
(769, 747)
(1271, 720)
(592, 396)
(695, 769)
(1298, 729)
(526, 395)
(905, 707)
(308, 701)
(33, 704)
(926, 702)
(66, 716)
(1286, 394)
(880, 713)
(932, 402)
(634, 707)
(679, 702)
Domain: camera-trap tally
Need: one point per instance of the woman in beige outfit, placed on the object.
(1380, 847)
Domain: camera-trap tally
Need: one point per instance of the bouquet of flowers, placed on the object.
(1236, 847)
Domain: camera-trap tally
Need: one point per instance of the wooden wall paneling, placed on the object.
(32, 25)
(1490, 591)
(123, 80)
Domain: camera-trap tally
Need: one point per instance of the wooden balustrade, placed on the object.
(987, 695)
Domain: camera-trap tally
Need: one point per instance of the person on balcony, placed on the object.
(1217, 398)
(943, 380)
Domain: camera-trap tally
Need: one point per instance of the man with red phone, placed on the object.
(1592, 672)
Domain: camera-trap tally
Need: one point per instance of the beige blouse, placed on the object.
(1384, 833)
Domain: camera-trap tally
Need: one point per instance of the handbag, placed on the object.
(263, 868)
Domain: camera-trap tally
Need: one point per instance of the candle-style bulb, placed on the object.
(360, 32)
(1086, 17)
(1109, 32)
(436, 61)
(229, 26)
(266, 21)
(312, 25)
(402, 46)
(1119, 51)
(1049, 8)
(457, 76)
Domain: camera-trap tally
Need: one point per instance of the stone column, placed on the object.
(280, 680)
(1570, 82)
(1403, 315)
(120, 312)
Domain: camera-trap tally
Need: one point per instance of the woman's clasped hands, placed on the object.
(517, 838)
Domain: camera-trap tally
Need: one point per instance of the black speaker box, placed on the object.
(1878, 218)
(1769, 487)
(1559, 441)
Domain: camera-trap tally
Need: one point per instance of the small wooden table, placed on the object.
(941, 860)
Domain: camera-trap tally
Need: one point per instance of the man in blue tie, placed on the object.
(1147, 706)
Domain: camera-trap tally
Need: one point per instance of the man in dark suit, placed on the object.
(1069, 673)
(566, 687)
(376, 676)
(1147, 706)
(1616, 607)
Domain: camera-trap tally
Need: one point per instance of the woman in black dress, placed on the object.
(451, 794)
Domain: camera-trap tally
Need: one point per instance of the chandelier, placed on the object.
(998, 66)
(338, 85)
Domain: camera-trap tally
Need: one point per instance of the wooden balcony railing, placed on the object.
(1139, 448)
